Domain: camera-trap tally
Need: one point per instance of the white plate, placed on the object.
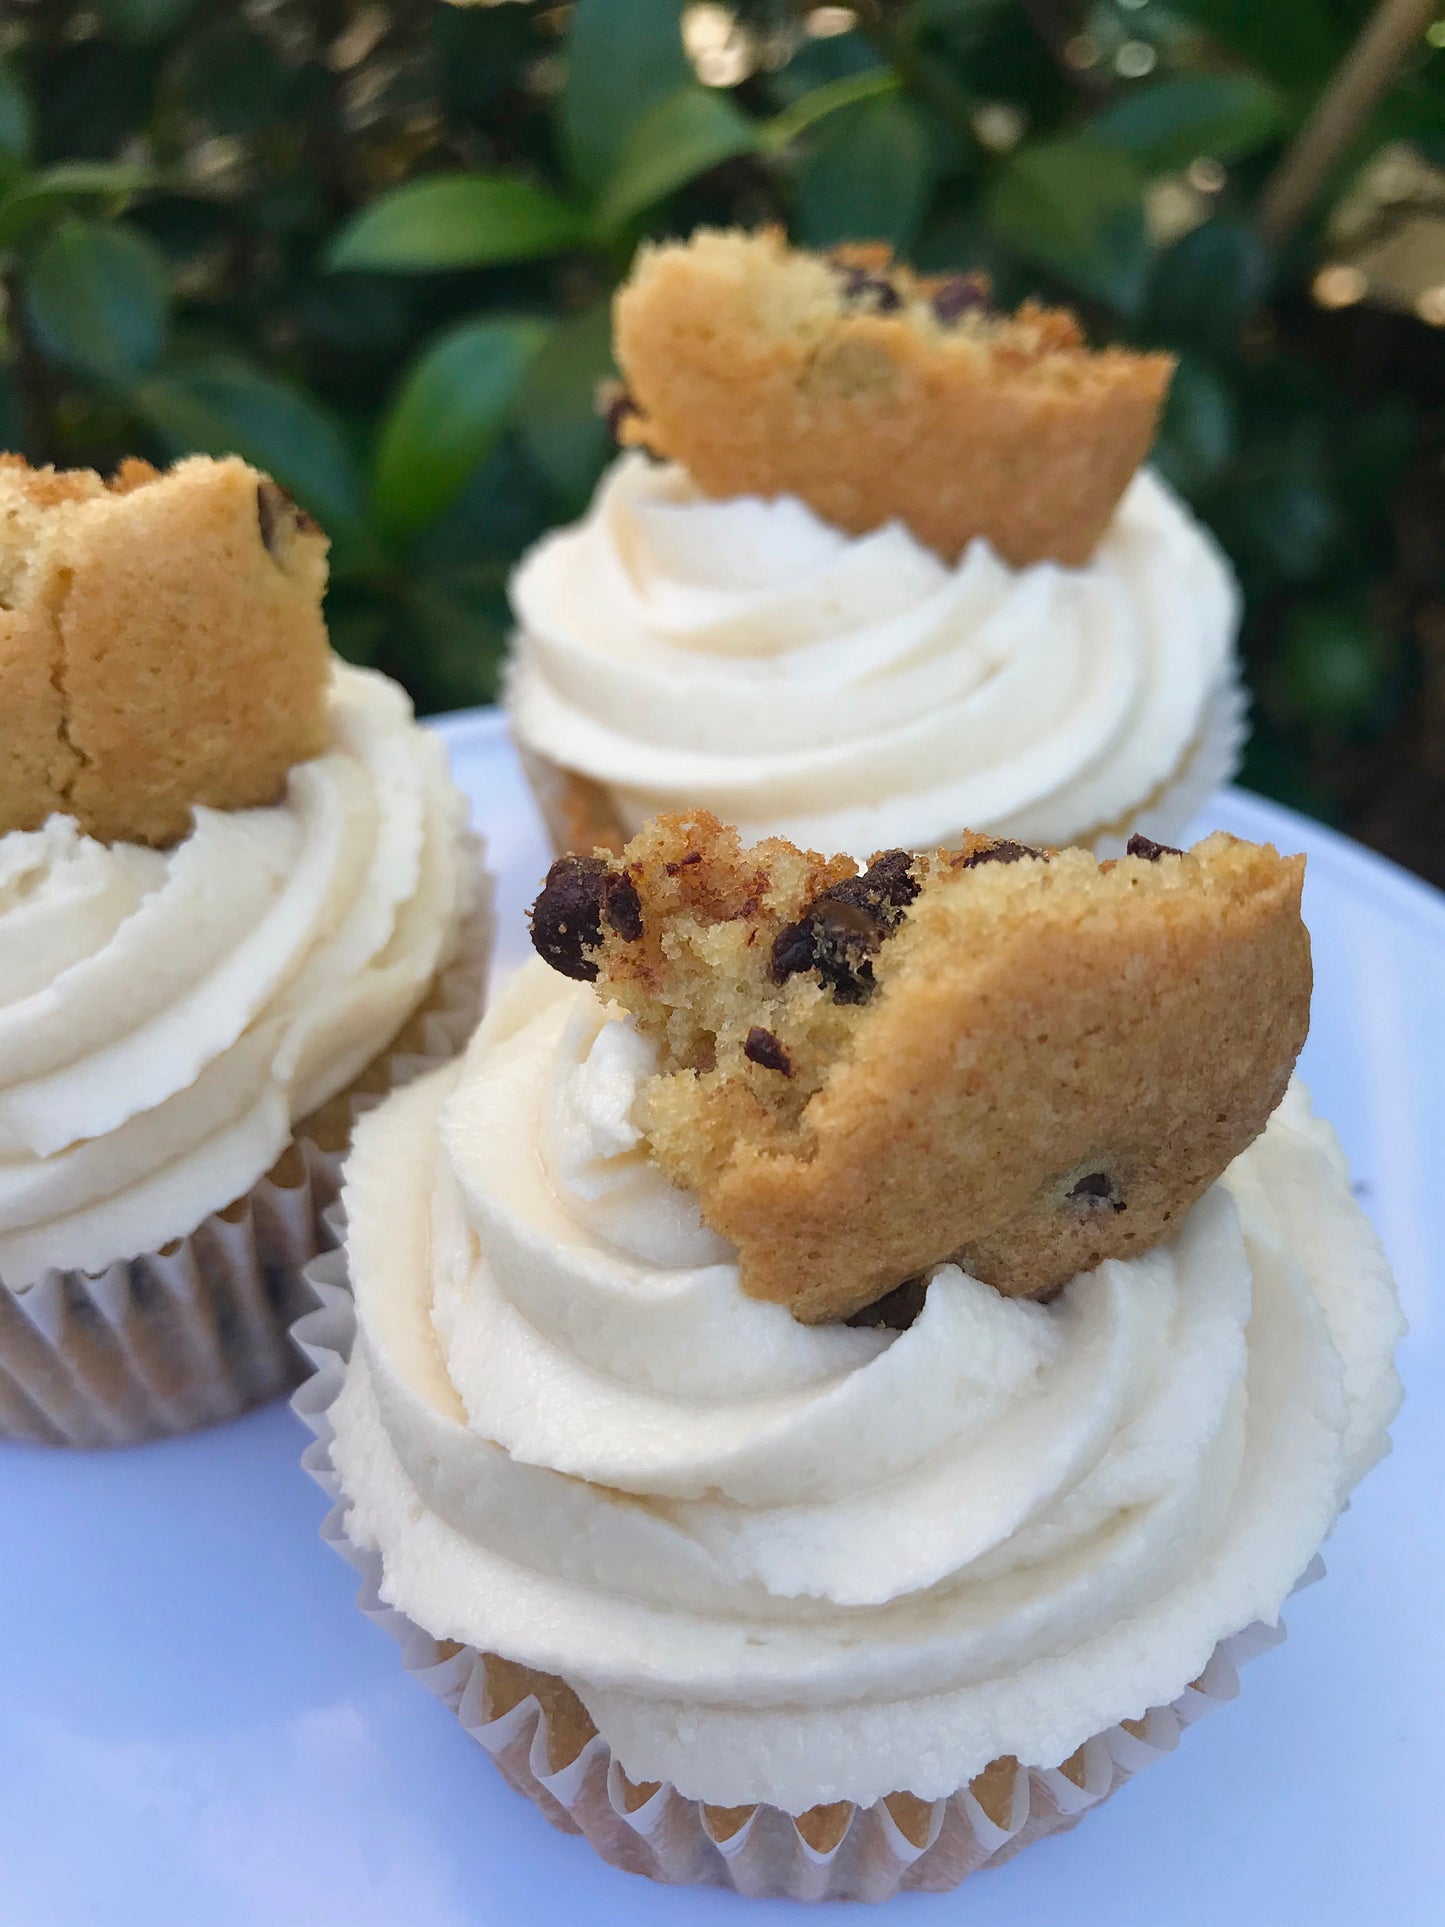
(198, 1729)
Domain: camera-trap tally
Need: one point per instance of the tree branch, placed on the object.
(1363, 76)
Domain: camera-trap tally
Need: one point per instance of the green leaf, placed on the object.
(1280, 517)
(446, 418)
(222, 405)
(624, 57)
(1172, 122)
(503, 508)
(45, 196)
(1205, 287)
(683, 137)
(805, 112)
(12, 407)
(565, 438)
(97, 300)
(460, 621)
(360, 621)
(17, 121)
(1197, 434)
(140, 22)
(1296, 43)
(866, 177)
(234, 79)
(457, 221)
(1333, 667)
(1382, 442)
(1075, 210)
(1277, 766)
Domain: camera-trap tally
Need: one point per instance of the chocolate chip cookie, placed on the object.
(161, 644)
(873, 393)
(1022, 1060)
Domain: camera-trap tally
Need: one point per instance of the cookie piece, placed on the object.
(161, 644)
(871, 392)
(1026, 1061)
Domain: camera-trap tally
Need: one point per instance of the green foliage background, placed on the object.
(371, 248)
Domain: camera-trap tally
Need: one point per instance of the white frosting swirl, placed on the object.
(800, 1563)
(166, 1015)
(856, 693)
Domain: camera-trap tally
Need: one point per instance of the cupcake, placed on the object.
(236, 902)
(882, 564)
(850, 1363)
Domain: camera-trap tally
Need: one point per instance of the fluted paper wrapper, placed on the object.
(579, 814)
(200, 1330)
(839, 1852)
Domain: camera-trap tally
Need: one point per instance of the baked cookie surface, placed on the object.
(161, 644)
(1025, 1061)
(870, 393)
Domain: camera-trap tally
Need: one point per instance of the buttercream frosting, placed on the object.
(857, 693)
(165, 1016)
(809, 1563)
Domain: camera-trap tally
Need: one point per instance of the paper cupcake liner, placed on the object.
(548, 1750)
(200, 1330)
(579, 813)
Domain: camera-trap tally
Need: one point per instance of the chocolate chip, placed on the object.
(1097, 1188)
(959, 295)
(842, 928)
(896, 1310)
(1151, 852)
(275, 511)
(835, 939)
(567, 916)
(1001, 852)
(871, 292)
(848, 922)
(792, 950)
(842, 939)
(622, 907)
(885, 889)
(269, 509)
(764, 1049)
(1095, 1185)
(614, 404)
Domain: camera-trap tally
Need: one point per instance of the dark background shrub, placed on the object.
(371, 248)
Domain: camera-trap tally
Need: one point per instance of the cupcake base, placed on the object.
(541, 1738)
(199, 1331)
(578, 813)
(581, 815)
